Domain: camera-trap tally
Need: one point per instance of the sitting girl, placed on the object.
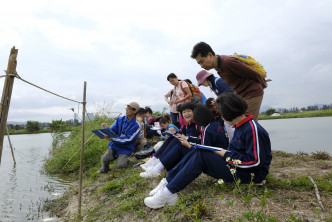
(248, 155)
(190, 131)
(213, 134)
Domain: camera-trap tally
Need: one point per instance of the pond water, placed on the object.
(300, 134)
(23, 187)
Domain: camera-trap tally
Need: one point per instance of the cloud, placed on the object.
(125, 49)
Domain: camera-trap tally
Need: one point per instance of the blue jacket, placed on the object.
(192, 132)
(214, 135)
(203, 99)
(219, 85)
(251, 145)
(127, 132)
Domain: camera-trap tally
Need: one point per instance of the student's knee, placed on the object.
(122, 161)
(108, 156)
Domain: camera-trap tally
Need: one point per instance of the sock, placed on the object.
(166, 192)
(158, 168)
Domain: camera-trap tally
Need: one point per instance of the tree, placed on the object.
(11, 126)
(58, 126)
(19, 127)
(33, 126)
(270, 111)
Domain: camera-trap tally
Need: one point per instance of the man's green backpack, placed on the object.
(252, 63)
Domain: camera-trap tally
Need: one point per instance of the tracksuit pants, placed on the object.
(202, 161)
(174, 155)
(168, 143)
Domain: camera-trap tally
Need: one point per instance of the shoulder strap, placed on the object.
(182, 86)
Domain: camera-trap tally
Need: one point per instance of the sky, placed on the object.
(124, 50)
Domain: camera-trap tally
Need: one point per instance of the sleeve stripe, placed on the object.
(255, 162)
(203, 134)
(125, 140)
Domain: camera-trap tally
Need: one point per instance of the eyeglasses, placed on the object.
(129, 108)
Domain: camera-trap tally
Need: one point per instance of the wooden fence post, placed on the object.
(6, 94)
(82, 154)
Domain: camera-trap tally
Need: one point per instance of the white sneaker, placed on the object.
(160, 200)
(150, 163)
(160, 186)
(149, 174)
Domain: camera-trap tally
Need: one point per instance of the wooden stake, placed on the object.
(11, 147)
(82, 155)
(6, 94)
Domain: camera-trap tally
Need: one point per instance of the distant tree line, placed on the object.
(35, 126)
(296, 109)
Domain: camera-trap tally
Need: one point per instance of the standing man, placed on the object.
(246, 82)
(127, 130)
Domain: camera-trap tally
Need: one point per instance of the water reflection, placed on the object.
(23, 187)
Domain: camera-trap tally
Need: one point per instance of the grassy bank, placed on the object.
(66, 158)
(288, 194)
(306, 114)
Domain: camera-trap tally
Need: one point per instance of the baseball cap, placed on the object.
(134, 105)
(201, 76)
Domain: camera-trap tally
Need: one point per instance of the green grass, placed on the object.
(65, 159)
(305, 114)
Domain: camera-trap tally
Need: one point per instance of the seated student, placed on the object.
(190, 131)
(149, 133)
(120, 147)
(248, 153)
(165, 124)
(213, 134)
(211, 104)
(141, 140)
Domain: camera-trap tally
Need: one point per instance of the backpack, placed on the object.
(196, 94)
(252, 63)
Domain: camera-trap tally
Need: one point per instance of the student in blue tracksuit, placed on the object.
(120, 147)
(212, 134)
(189, 131)
(248, 153)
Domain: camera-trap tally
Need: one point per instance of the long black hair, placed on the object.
(202, 115)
